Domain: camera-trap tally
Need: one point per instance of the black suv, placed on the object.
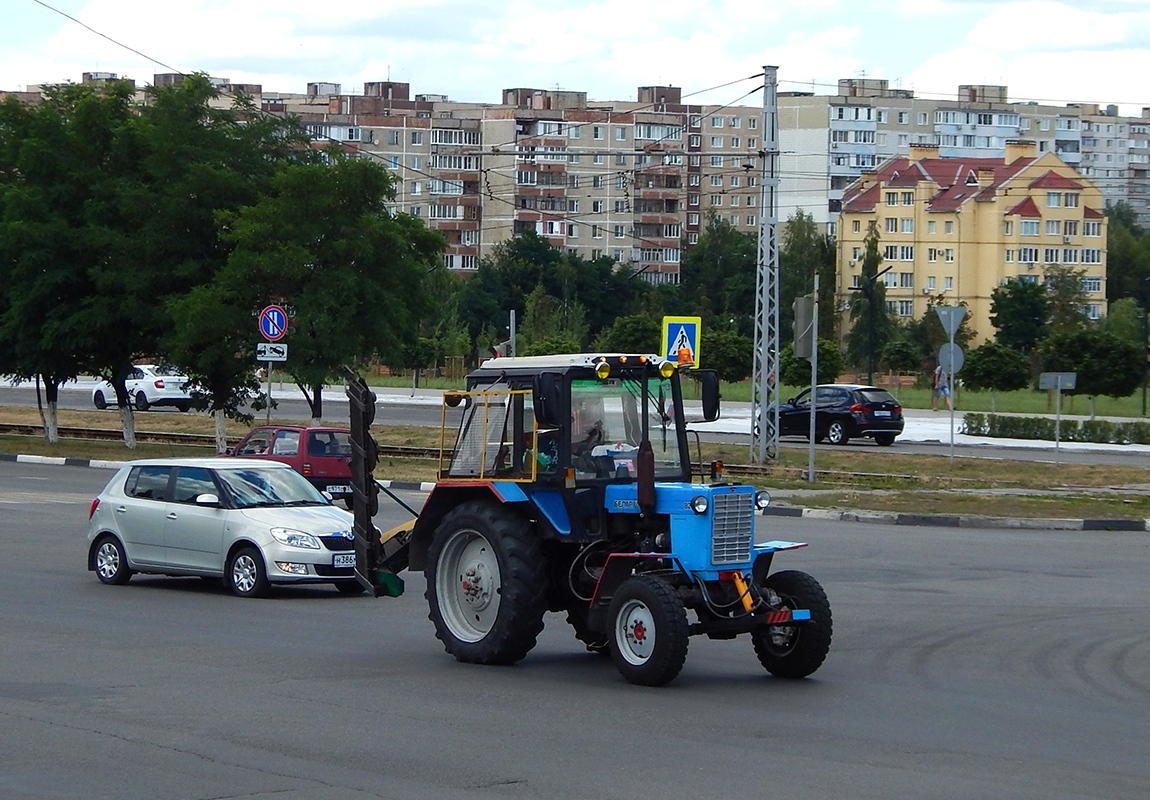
(843, 412)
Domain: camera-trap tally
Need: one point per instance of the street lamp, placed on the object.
(867, 288)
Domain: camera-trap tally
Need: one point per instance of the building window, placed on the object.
(1069, 255)
(906, 280)
(855, 226)
(1050, 255)
(734, 200)
(618, 232)
(417, 137)
(573, 206)
(930, 283)
(1008, 228)
(906, 252)
(856, 252)
(906, 225)
(948, 283)
(716, 122)
(693, 218)
(948, 227)
(932, 254)
(1028, 255)
(1053, 227)
(949, 256)
(1070, 200)
(716, 161)
(1008, 256)
(892, 198)
(903, 117)
(891, 224)
(1070, 227)
(716, 141)
(620, 206)
(908, 198)
(620, 134)
(1028, 227)
(751, 221)
(1091, 255)
(1093, 311)
(890, 252)
(716, 199)
(716, 180)
(1091, 228)
(932, 227)
(906, 308)
(693, 199)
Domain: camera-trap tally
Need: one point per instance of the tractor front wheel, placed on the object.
(649, 631)
(798, 649)
(486, 584)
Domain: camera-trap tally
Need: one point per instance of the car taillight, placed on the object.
(307, 469)
(159, 384)
(93, 507)
(898, 409)
(859, 408)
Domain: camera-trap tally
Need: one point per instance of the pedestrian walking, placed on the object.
(940, 388)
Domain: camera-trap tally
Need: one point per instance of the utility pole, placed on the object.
(765, 376)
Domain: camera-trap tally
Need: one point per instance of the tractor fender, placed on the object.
(443, 498)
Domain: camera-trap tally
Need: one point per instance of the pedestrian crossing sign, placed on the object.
(681, 337)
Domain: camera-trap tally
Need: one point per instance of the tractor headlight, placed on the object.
(666, 369)
(762, 500)
(699, 504)
(602, 370)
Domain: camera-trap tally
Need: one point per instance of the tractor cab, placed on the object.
(572, 420)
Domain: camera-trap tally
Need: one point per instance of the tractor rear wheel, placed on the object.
(795, 650)
(486, 584)
(649, 631)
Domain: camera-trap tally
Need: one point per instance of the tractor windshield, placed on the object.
(606, 427)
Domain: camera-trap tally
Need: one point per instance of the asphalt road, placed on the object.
(966, 663)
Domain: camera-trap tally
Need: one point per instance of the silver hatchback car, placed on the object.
(252, 523)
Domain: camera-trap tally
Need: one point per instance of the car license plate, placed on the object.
(882, 413)
(344, 560)
(334, 490)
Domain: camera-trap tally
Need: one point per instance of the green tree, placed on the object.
(1124, 320)
(637, 333)
(323, 240)
(901, 355)
(871, 326)
(729, 353)
(718, 275)
(1065, 298)
(795, 371)
(1105, 365)
(55, 157)
(1019, 310)
(803, 252)
(995, 367)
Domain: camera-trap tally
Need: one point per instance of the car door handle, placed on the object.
(172, 515)
(122, 510)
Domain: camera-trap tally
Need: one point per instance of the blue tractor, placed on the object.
(566, 485)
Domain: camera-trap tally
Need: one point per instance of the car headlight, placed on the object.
(762, 500)
(699, 504)
(294, 538)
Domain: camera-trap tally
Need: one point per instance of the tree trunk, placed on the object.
(1093, 405)
(49, 417)
(128, 423)
(317, 404)
(221, 431)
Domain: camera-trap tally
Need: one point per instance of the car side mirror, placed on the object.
(709, 383)
(230, 451)
(547, 394)
(327, 495)
(207, 500)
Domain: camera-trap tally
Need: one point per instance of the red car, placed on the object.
(322, 455)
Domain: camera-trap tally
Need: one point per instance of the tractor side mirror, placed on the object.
(709, 382)
(547, 388)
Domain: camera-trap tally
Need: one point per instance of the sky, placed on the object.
(1043, 50)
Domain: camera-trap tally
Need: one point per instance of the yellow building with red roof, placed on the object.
(954, 229)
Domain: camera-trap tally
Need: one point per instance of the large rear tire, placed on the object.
(797, 650)
(649, 631)
(111, 562)
(486, 584)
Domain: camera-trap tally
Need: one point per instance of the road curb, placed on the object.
(825, 514)
(952, 521)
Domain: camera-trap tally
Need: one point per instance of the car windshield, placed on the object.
(252, 487)
(167, 372)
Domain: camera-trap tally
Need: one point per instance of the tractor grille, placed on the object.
(733, 533)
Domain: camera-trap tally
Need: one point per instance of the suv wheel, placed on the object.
(837, 432)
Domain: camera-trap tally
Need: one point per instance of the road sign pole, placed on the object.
(268, 410)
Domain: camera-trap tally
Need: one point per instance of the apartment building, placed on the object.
(633, 180)
(957, 227)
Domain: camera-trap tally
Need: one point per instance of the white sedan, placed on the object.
(251, 523)
(148, 385)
